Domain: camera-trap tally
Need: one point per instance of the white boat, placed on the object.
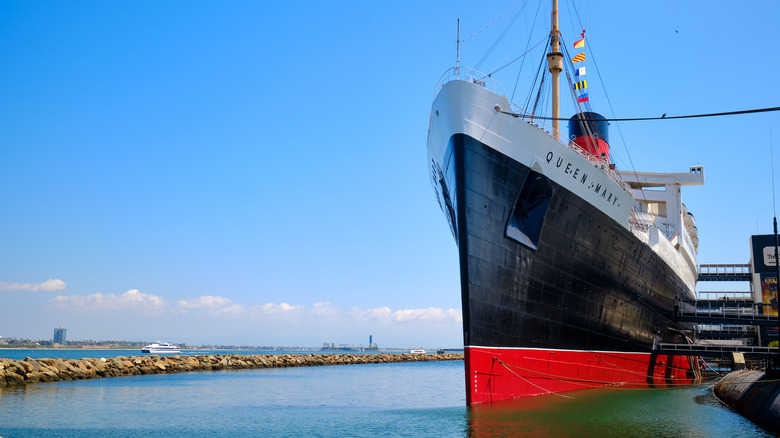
(417, 351)
(160, 347)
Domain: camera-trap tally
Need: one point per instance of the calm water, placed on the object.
(404, 399)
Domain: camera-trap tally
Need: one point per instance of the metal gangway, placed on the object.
(733, 318)
(726, 272)
(727, 312)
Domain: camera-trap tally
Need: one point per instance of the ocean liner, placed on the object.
(571, 271)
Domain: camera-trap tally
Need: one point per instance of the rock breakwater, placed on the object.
(20, 372)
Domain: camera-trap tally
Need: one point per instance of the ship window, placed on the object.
(527, 218)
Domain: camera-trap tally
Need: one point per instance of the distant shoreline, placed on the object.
(69, 348)
(313, 349)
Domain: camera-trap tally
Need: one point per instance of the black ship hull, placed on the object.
(556, 295)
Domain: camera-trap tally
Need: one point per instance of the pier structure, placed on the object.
(733, 324)
(726, 272)
(729, 317)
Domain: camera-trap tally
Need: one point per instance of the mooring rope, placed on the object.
(739, 381)
(708, 366)
(574, 380)
(644, 375)
(531, 383)
(585, 382)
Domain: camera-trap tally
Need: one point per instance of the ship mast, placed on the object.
(555, 66)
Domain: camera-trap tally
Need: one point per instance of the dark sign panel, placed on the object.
(763, 253)
(764, 264)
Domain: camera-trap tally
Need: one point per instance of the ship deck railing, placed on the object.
(711, 349)
(470, 75)
(601, 164)
(639, 221)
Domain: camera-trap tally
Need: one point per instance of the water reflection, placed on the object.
(677, 412)
(414, 399)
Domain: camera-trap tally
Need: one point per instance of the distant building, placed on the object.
(59, 335)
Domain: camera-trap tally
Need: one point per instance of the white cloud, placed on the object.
(210, 304)
(132, 299)
(324, 309)
(387, 315)
(234, 309)
(455, 314)
(322, 312)
(219, 319)
(50, 285)
(219, 306)
(271, 308)
(208, 301)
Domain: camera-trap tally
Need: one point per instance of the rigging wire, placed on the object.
(521, 56)
(491, 24)
(577, 14)
(528, 41)
(540, 74)
(500, 37)
(611, 108)
(520, 41)
(603, 86)
(663, 117)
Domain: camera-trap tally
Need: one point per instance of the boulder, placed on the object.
(27, 366)
(13, 378)
(41, 376)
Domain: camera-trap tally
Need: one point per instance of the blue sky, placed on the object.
(242, 172)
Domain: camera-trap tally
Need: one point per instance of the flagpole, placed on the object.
(555, 66)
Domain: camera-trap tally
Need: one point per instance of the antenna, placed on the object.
(772, 157)
(457, 54)
(777, 264)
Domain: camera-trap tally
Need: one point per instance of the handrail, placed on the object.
(470, 75)
(727, 269)
(485, 80)
(731, 295)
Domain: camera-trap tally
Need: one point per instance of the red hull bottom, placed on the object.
(494, 373)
